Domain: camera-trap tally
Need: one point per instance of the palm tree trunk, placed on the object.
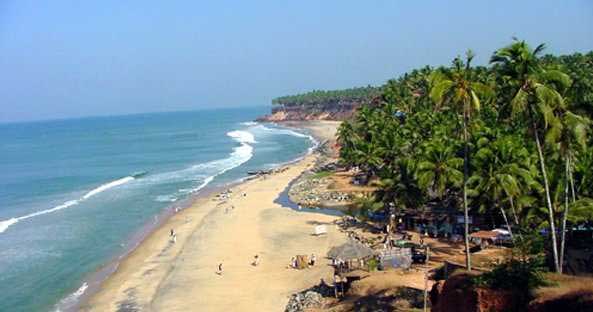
(515, 216)
(542, 164)
(506, 220)
(569, 179)
(465, 210)
(512, 202)
(564, 215)
(574, 197)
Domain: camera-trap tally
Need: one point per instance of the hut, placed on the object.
(353, 254)
(484, 238)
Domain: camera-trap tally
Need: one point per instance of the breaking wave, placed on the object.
(286, 131)
(206, 172)
(5, 224)
(72, 299)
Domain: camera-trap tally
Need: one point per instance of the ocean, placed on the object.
(73, 193)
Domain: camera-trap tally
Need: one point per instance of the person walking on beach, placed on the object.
(313, 259)
(173, 236)
(255, 260)
(219, 271)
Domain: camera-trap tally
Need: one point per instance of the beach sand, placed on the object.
(163, 276)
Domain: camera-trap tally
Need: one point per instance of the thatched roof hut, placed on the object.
(350, 250)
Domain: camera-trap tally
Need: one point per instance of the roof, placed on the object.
(485, 234)
(350, 250)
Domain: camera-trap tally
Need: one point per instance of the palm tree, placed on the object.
(364, 205)
(347, 139)
(583, 172)
(456, 87)
(569, 134)
(503, 172)
(438, 167)
(536, 98)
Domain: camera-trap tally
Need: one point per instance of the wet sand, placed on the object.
(161, 275)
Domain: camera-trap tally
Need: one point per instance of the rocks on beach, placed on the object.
(311, 191)
(301, 301)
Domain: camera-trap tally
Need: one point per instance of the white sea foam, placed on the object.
(242, 136)
(107, 186)
(250, 123)
(72, 299)
(284, 131)
(166, 198)
(239, 156)
(5, 224)
(206, 172)
(291, 132)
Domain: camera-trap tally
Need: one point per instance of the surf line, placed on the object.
(5, 224)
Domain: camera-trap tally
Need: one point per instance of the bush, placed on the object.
(372, 264)
(321, 174)
(523, 273)
(515, 275)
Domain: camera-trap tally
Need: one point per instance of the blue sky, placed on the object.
(61, 59)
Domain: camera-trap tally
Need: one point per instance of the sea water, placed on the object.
(73, 192)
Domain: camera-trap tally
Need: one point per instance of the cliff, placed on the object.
(328, 111)
(321, 105)
(564, 293)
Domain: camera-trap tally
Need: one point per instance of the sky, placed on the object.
(65, 59)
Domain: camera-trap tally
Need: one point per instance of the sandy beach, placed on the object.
(161, 275)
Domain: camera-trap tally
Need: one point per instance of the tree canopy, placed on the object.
(358, 95)
(512, 140)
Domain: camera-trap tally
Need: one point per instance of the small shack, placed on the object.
(484, 238)
(396, 258)
(352, 255)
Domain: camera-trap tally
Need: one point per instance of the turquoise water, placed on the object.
(73, 192)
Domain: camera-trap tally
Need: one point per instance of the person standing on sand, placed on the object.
(313, 259)
(219, 271)
(255, 260)
(173, 236)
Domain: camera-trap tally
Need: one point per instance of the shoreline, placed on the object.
(153, 231)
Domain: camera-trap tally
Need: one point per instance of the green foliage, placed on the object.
(519, 277)
(372, 264)
(363, 206)
(522, 274)
(522, 126)
(515, 275)
(320, 97)
(321, 174)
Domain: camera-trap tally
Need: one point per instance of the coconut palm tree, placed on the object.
(503, 171)
(568, 134)
(438, 168)
(536, 99)
(457, 88)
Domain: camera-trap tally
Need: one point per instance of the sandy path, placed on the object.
(162, 276)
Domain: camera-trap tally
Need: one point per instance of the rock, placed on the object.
(299, 301)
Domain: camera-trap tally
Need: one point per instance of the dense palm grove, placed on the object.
(321, 97)
(512, 139)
